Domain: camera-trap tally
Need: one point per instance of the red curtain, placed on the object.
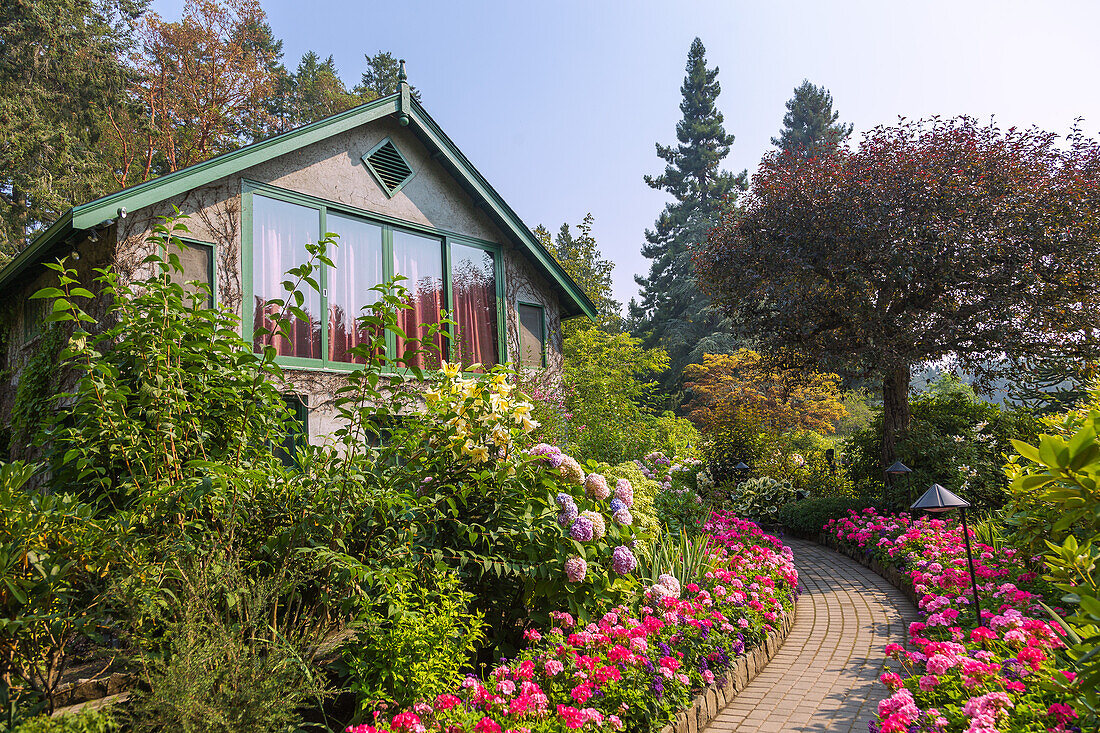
(280, 232)
(473, 280)
(420, 260)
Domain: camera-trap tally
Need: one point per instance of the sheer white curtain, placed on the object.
(280, 231)
(358, 260)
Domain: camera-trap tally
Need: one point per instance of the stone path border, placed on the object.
(713, 699)
(825, 678)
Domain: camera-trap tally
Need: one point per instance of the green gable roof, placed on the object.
(410, 112)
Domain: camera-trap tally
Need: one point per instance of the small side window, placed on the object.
(298, 430)
(34, 318)
(532, 335)
(197, 260)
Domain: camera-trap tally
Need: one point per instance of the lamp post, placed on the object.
(938, 500)
(741, 469)
(893, 472)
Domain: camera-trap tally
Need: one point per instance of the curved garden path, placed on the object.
(825, 676)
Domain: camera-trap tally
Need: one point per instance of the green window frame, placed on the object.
(542, 327)
(34, 318)
(389, 224)
(298, 435)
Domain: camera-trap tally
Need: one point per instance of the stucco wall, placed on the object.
(333, 170)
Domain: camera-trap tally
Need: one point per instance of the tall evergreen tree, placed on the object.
(672, 312)
(810, 125)
(579, 256)
(60, 69)
(380, 77)
(317, 90)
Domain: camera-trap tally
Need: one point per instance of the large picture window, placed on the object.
(473, 280)
(280, 232)
(441, 271)
(420, 259)
(358, 260)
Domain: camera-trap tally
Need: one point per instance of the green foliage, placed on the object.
(607, 377)
(760, 498)
(83, 721)
(810, 515)
(581, 259)
(64, 67)
(1056, 505)
(235, 657)
(683, 512)
(50, 587)
(800, 457)
(38, 382)
(170, 385)
(682, 554)
(953, 440)
(416, 648)
(810, 125)
(673, 312)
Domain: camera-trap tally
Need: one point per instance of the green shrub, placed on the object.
(954, 440)
(646, 518)
(84, 721)
(234, 658)
(416, 648)
(760, 498)
(810, 515)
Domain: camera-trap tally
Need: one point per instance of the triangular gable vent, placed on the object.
(389, 167)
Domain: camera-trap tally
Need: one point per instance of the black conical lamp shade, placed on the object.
(938, 499)
(899, 468)
(740, 466)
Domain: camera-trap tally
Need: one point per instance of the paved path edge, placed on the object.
(711, 701)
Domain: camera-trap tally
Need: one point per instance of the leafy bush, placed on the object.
(51, 567)
(83, 721)
(760, 498)
(608, 378)
(801, 458)
(235, 659)
(416, 648)
(1056, 501)
(810, 515)
(954, 440)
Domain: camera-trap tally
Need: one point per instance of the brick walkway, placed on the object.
(825, 677)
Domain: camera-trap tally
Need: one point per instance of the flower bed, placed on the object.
(641, 662)
(1003, 676)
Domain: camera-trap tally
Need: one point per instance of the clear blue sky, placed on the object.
(559, 104)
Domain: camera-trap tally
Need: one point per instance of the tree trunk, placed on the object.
(895, 411)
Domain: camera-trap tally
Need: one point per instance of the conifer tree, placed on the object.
(60, 68)
(810, 125)
(580, 256)
(380, 77)
(672, 312)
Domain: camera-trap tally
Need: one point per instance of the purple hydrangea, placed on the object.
(623, 560)
(563, 500)
(568, 513)
(595, 486)
(623, 517)
(617, 505)
(624, 492)
(599, 529)
(582, 529)
(575, 569)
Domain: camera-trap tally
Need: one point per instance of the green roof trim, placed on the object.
(107, 208)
